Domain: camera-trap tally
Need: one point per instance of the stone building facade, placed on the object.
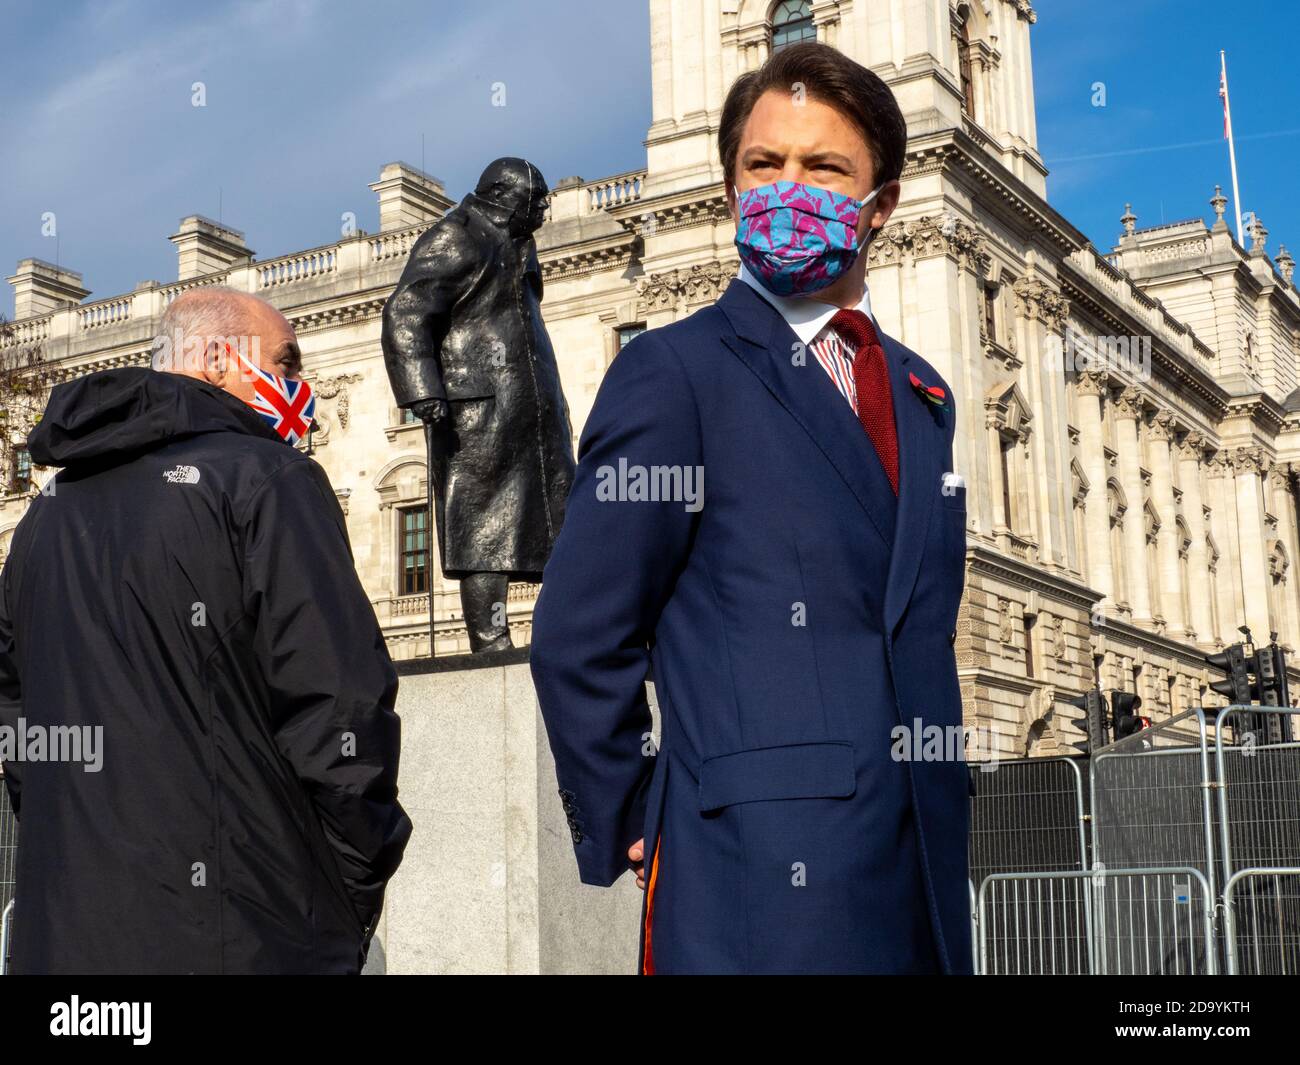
(1128, 422)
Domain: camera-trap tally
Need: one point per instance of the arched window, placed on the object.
(964, 68)
(792, 22)
(1115, 500)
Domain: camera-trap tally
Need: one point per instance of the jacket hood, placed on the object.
(115, 414)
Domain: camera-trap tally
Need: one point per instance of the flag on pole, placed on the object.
(1227, 135)
(1223, 95)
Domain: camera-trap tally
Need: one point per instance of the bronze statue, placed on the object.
(468, 353)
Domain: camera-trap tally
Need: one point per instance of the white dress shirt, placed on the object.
(810, 319)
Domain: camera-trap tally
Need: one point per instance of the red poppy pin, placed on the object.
(932, 393)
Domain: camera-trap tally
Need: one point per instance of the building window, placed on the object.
(1119, 575)
(1028, 621)
(1184, 541)
(964, 68)
(413, 575)
(406, 416)
(990, 310)
(792, 22)
(1151, 527)
(1008, 515)
(22, 479)
(1212, 550)
(627, 332)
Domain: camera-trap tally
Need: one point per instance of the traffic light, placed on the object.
(1233, 661)
(1124, 714)
(1094, 720)
(1270, 689)
(1255, 676)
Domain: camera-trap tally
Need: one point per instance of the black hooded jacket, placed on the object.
(181, 604)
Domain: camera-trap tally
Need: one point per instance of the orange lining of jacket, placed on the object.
(648, 964)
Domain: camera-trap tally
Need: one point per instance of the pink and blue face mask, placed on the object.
(796, 238)
(288, 406)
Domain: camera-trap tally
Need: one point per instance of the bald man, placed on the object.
(198, 701)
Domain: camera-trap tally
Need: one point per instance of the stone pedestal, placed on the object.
(489, 883)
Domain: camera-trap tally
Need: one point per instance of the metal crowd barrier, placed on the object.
(1262, 922)
(1192, 863)
(1027, 816)
(1114, 921)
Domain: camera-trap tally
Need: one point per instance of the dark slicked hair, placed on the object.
(832, 78)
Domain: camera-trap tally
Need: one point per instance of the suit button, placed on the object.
(577, 836)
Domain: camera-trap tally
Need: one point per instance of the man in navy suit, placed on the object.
(796, 605)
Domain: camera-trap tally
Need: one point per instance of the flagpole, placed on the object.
(1232, 150)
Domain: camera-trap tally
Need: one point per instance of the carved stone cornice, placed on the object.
(957, 153)
(582, 262)
(928, 236)
(677, 210)
(1261, 409)
(699, 283)
(1036, 300)
(341, 314)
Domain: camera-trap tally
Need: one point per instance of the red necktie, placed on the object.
(871, 379)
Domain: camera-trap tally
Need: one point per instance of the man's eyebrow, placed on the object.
(755, 150)
(828, 157)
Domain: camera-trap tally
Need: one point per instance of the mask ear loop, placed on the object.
(870, 232)
(254, 371)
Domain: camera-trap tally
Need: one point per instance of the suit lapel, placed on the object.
(918, 480)
(764, 342)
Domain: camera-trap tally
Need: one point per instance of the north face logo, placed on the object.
(182, 475)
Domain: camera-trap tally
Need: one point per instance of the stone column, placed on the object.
(1091, 390)
(1223, 522)
(1282, 505)
(1048, 487)
(1162, 493)
(1128, 410)
(1200, 619)
(1248, 465)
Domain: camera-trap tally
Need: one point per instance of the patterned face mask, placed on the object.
(797, 238)
(288, 406)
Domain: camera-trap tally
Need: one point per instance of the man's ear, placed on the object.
(884, 203)
(215, 364)
(729, 187)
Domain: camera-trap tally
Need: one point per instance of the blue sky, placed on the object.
(1158, 143)
(306, 99)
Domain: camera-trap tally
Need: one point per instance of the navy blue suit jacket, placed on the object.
(793, 622)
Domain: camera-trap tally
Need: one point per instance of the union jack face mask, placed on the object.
(288, 406)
